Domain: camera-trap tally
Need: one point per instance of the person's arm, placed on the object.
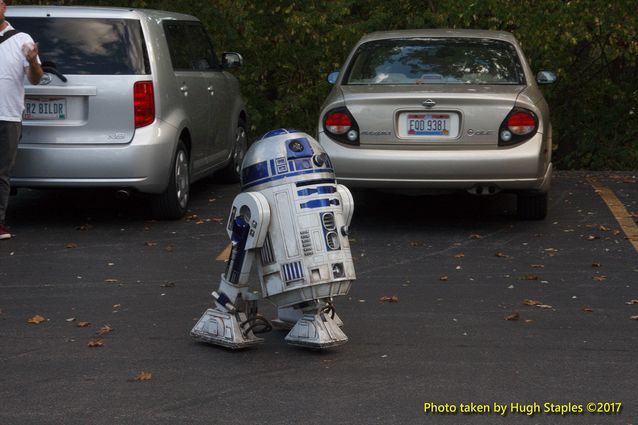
(34, 70)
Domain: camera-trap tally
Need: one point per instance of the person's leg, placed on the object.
(9, 138)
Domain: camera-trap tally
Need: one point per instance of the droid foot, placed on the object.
(219, 327)
(318, 330)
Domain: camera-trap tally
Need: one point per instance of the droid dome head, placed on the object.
(283, 156)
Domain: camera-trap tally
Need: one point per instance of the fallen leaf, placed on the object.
(513, 316)
(595, 264)
(168, 285)
(633, 317)
(36, 320)
(532, 302)
(200, 222)
(592, 237)
(392, 299)
(538, 266)
(501, 255)
(104, 329)
(169, 248)
(587, 310)
(217, 220)
(143, 376)
(71, 245)
(70, 319)
(530, 277)
(96, 343)
(84, 227)
(414, 243)
(83, 324)
(475, 236)
(117, 305)
(111, 280)
(603, 228)
(461, 255)
(443, 278)
(600, 278)
(544, 306)
(632, 302)
(191, 217)
(150, 243)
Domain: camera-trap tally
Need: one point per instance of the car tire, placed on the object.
(173, 202)
(531, 206)
(232, 172)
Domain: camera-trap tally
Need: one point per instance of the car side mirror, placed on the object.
(232, 60)
(332, 77)
(546, 77)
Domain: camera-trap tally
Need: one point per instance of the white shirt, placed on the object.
(13, 66)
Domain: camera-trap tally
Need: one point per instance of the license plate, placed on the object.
(428, 126)
(45, 108)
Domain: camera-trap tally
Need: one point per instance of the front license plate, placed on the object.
(428, 126)
(44, 108)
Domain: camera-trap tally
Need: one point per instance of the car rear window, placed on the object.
(88, 45)
(435, 61)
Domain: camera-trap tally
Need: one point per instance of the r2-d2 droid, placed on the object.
(292, 219)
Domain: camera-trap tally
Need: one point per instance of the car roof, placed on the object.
(434, 33)
(94, 12)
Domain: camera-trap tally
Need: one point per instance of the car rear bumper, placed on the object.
(143, 164)
(522, 168)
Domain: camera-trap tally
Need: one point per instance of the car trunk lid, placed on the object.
(403, 116)
(91, 64)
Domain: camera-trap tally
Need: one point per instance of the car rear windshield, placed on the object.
(88, 45)
(435, 61)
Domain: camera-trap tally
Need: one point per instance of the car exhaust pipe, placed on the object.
(484, 190)
(123, 194)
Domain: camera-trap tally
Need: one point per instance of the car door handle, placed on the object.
(211, 90)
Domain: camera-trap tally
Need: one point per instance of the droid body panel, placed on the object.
(292, 220)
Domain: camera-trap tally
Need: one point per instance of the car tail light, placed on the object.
(341, 126)
(143, 103)
(338, 123)
(519, 125)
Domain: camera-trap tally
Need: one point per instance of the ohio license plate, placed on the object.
(44, 108)
(428, 124)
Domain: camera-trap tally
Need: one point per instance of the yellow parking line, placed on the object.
(223, 256)
(619, 211)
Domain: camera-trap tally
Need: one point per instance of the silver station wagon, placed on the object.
(441, 110)
(136, 100)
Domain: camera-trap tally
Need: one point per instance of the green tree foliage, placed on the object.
(289, 47)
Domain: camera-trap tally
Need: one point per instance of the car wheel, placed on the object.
(232, 172)
(531, 206)
(173, 202)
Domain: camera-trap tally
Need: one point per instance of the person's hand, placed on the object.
(30, 51)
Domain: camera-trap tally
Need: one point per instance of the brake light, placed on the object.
(338, 123)
(143, 103)
(519, 125)
(341, 126)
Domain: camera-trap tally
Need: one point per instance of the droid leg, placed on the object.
(317, 328)
(232, 321)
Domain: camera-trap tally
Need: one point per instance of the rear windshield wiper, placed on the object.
(50, 67)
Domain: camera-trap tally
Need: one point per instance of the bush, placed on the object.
(290, 46)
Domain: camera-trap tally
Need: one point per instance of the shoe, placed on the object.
(4, 232)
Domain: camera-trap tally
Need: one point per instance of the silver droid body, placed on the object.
(291, 219)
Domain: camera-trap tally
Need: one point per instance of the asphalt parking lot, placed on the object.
(483, 309)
